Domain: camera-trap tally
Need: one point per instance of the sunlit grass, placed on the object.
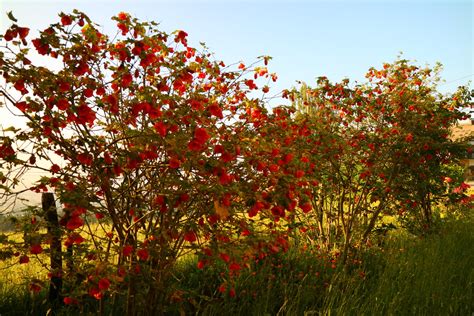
(429, 276)
(409, 275)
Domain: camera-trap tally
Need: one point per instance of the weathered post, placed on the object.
(54, 233)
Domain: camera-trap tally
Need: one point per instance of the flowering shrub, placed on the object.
(381, 148)
(144, 135)
(156, 151)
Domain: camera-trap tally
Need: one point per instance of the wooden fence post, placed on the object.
(54, 233)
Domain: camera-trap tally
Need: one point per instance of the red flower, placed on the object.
(225, 257)
(64, 86)
(196, 105)
(184, 197)
(122, 16)
(215, 110)
(143, 254)
(6, 150)
(461, 188)
(24, 259)
(117, 170)
(104, 284)
(235, 266)
(306, 207)
(35, 287)
(123, 28)
(69, 300)
(160, 128)
(409, 138)
(107, 159)
(100, 91)
(245, 233)
(274, 168)
(42, 48)
(225, 178)
(22, 106)
(288, 158)
(85, 159)
(78, 211)
(159, 200)
(95, 293)
(190, 236)
(127, 250)
(74, 239)
(77, 239)
(227, 157)
(81, 69)
(194, 145)
(55, 168)
(250, 84)
(20, 86)
(112, 101)
(66, 20)
(62, 104)
(299, 173)
(85, 114)
(200, 264)
(23, 32)
(278, 211)
(222, 288)
(447, 179)
(88, 92)
(201, 135)
(74, 222)
(99, 215)
(181, 37)
(126, 80)
(10, 34)
(36, 249)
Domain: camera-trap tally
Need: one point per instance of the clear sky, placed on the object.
(305, 38)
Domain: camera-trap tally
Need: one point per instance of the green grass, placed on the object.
(285, 284)
(433, 275)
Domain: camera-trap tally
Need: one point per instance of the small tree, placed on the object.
(140, 133)
(374, 145)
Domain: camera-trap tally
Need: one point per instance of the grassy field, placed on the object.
(433, 275)
(410, 276)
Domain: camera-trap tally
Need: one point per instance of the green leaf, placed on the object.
(11, 129)
(11, 17)
(4, 188)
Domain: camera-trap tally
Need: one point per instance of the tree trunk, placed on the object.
(54, 233)
(427, 212)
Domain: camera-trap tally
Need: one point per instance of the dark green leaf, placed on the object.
(11, 17)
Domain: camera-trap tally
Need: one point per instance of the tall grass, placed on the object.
(15, 295)
(433, 275)
(430, 276)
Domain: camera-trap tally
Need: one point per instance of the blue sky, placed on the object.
(305, 38)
